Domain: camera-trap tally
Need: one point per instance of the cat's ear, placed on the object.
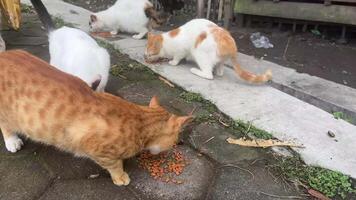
(93, 18)
(149, 35)
(154, 103)
(184, 120)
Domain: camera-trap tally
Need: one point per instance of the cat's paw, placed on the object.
(124, 179)
(13, 143)
(201, 73)
(113, 32)
(173, 62)
(137, 37)
(220, 72)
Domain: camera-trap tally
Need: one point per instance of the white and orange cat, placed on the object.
(205, 43)
(56, 108)
(132, 16)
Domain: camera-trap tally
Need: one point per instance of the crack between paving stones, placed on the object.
(49, 185)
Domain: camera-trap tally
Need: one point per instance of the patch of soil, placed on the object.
(305, 52)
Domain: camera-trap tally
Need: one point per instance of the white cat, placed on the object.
(130, 16)
(75, 52)
(205, 43)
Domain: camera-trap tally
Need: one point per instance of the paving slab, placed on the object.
(66, 166)
(287, 117)
(210, 139)
(196, 178)
(235, 182)
(94, 189)
(23, 178)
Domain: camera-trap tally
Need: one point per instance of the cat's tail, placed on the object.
(96, 82)
(43, 14)
(158, 18)
(250, 77)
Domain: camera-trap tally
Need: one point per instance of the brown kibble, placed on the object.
(164, 166)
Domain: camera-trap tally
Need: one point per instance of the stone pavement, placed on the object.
(215, 171)
(266, 107)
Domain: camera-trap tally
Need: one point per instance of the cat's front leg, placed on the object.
(114, 32)
(176, 59)
(12, 142)
(118, 175)
(140, 35)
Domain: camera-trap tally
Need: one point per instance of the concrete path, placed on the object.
(285, 116)
(214, 170)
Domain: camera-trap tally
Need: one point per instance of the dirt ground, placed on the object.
(305, 52)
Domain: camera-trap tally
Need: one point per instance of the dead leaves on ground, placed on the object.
(260, 143)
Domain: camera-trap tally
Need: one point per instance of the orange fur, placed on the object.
(200, 39)
(61, 110)
(154, 44)
(227, 50)
(173, 33)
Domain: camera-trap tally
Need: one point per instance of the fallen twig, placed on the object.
(223, 123)
(260, 143)
(285, 50)
(122, 76)
(208, 140)
(281, 197)
(166, 81)
(235, 166)
(318, 195)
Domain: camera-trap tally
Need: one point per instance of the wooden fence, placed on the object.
(216, 10)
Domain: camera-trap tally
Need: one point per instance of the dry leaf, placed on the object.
(102, 34)
(166, 82)
(11, 13)
(318, 195)
(260, 143)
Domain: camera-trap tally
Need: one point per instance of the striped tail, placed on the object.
(250, 77)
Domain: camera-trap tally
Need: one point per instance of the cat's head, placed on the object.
(154, 46)
(167, 134)
(95, 23)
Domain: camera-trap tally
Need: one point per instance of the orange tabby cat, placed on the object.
(55, 108)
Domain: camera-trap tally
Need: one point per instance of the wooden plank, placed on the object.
(302, 11)
(346, 1)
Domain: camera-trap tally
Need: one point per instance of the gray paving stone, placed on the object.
(22, 178)
(196, 177)
(100, 189)
(211, 140)
(233, 183)
(66, 166)
(26, 150)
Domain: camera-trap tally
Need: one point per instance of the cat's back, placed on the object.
(25, 70)
(196, 26)
(71, 36)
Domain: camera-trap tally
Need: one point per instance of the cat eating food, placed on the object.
(127, 16)
(61, 110)
(75, 52)
(205, 43)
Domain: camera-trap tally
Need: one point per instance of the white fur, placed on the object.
(155, 149)
(125, 15)
(75, 52)
(182, 46)
(2, 44)
(13, 143)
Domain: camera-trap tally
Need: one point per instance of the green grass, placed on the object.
(59, 22)
(247, 128)
(328, 182)
(343, 116)
(190, 97)
(26, 8)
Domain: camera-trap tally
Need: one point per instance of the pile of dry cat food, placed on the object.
(165, 166)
